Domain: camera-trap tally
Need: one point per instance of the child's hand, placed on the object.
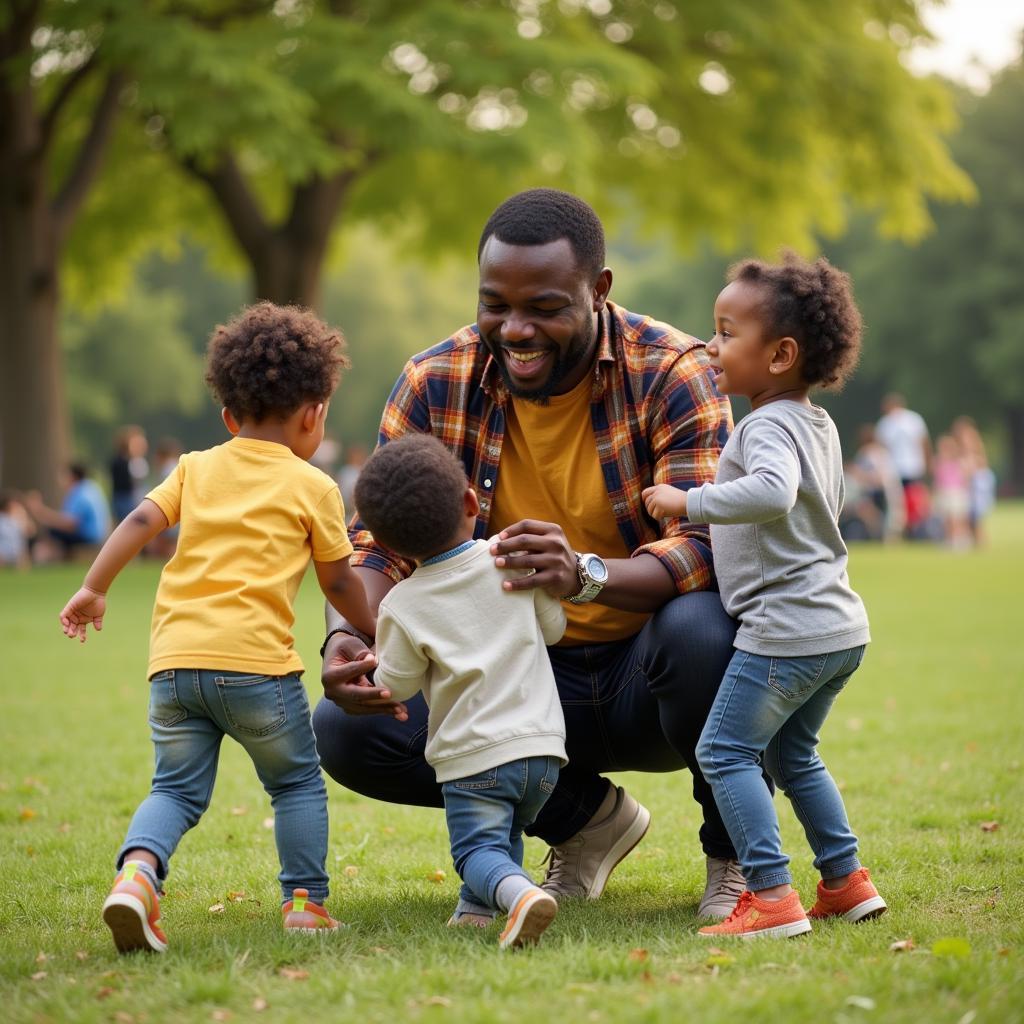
(85, 607)
(664, 500)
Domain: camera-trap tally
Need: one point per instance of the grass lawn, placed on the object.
(927, 744)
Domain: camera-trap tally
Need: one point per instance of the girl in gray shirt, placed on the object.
(781, 330)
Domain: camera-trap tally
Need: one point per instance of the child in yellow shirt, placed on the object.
(252, 513)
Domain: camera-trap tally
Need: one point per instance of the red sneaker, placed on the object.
(301, 914)
(753, 917)
(132, 912)
(858, 900)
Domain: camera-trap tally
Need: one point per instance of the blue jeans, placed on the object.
(190, 712)
(778, 705)
(487, 814)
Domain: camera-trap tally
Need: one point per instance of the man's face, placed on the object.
(537, 315)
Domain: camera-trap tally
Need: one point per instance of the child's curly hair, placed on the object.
(270, 359)
(812, 303)
(409, 494)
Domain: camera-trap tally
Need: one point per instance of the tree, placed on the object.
(753, 122)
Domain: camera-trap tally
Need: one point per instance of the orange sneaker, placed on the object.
(301, 914)
(753, 917)
(528, 919)
(858, 900)
(132, 912)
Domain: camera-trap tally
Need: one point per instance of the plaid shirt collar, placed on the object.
(493, 383)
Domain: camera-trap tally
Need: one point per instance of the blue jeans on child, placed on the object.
(486, 816)
(190, 712)
(777, 706)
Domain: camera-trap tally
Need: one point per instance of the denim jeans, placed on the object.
(637, 704)
(778, 705)
(487, 814)
(190, 712)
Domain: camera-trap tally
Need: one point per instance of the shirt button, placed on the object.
(487, 483)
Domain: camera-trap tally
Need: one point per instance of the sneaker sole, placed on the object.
(623, 846)
(870, 908)
(779, 931)
(529, 921)
(126, 918)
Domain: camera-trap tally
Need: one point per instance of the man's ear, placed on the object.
(471, 503)
(602, 286)
(785, 356)
(311, 417)
(230, 422)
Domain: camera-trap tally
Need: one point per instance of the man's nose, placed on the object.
(517, 328)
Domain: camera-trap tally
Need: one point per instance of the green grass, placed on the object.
(926, 743)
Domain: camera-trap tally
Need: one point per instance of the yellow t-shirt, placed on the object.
(252, 514)
(550, 470)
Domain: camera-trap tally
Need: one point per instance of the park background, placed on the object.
(163, 163)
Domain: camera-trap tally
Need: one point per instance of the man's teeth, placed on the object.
(524, 357)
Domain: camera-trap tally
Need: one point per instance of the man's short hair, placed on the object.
(543, 215)
(410, 495)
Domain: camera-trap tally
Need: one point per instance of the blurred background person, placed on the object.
(981, 481)
(83, 519)
(949, 474)
(355, 455)
(128, 470)
(876, 474)
(905, 434)
(16, 530)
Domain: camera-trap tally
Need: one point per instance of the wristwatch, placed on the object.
(593, 575)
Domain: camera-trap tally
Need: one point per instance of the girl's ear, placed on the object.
(785, 356)
(230, 422)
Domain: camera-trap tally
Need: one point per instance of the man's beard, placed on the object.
(565, 363)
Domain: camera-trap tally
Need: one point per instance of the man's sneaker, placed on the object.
(752, 918)
(528, 919)
(724, 887)
(581, 865)
(301, 914)
(858, 900)
(132, 912)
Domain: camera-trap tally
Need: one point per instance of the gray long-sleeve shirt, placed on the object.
(779, 558)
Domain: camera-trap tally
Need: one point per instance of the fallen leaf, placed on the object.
(217, 908)
(673, 978)
(388, 830)
(236, 897)
(855, 724)
(268, 822)
(351, 871)
(104, 992)
(437, 1001)
(80, 954)
(955, 947)
(638, 955)
(902, 946)
(42, 957)
(437, 876)
(64, 827)
(989, 826)
(221, 1015)
(293, 973)
(26, 814)
(861, 1002)
(259, 1004)
(38, 976)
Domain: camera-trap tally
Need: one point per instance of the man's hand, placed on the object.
(87, 606)
(347, 660)
(543, 548)
(664, 500)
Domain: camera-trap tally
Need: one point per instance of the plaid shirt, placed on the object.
(656, 414)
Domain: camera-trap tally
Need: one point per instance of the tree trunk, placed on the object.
(33, 417)
(287, 272)
(1015, 432)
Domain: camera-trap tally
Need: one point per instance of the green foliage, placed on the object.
(925, 744)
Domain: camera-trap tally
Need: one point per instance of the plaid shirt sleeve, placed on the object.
(688, 423)
(406, 411)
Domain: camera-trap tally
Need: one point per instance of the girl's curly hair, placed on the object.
(813, 303)
(270, 359)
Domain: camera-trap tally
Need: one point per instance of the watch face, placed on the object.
(596, 569)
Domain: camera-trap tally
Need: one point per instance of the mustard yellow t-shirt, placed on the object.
(550, 470)
(252, 514)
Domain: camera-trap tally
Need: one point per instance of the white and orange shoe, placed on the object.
(301, 914)
(528, 919)
(132, 912)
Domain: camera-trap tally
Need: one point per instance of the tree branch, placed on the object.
(48, 121)
(90, 154)
(236, 200)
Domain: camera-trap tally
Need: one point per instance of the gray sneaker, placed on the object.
(581, 866)
(725, 884)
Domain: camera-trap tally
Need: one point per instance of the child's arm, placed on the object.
(402, 666)
(133, 533)
(550, 615)
(343, 588)
(664, 500)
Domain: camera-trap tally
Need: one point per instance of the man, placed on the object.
(83, 518)
(562, 407)
(905, 434)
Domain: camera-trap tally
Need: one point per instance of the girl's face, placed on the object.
(740, 351)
